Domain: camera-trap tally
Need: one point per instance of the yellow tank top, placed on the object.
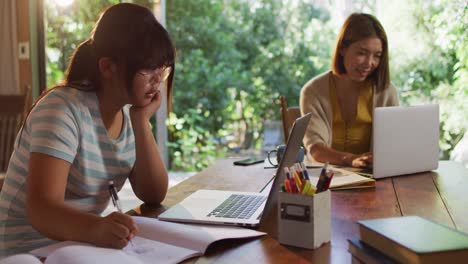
(354, 136)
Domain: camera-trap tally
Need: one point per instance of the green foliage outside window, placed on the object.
(236, 57)
(234, 60)
(66, 27)
(440, 74)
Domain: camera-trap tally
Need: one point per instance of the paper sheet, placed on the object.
(160, 241)
(141, 251)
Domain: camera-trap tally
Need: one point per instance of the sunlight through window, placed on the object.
(63, 3)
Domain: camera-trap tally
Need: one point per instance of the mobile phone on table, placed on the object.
(249, 161)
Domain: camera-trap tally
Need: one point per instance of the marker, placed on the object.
(312, 190)
(300, 182)
(286, 171)
(304, 171)
(299, 171)
(306, 188)
(322, 182)
(330, 177)
(283, 188)
(287, 186)
(293, 185)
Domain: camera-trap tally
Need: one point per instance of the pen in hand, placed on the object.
(116, 201)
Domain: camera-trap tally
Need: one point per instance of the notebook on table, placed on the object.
(342, 179)
(238, 208)
(156, 242)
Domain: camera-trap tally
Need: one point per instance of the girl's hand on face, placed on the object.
(114, 230)
(147, 111)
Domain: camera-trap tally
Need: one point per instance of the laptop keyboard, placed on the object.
(238, 206)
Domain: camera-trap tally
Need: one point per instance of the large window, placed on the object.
(236, 57)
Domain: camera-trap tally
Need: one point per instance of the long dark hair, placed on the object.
(359, 26)
(131, 36)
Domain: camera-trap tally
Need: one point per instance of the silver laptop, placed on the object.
(405, 140)
(238, 208)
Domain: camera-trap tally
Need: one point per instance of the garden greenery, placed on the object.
(235, 58)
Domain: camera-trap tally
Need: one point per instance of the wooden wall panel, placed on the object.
(22, 15)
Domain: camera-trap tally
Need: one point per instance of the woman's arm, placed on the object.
(48, 213)
(149, 177)
(393, 101)
(314, 99)
(322, 153)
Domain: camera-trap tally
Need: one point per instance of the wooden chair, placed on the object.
(12, 110)
(2, 178)
(288, 116)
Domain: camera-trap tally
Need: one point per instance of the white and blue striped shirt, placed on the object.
(65, 124)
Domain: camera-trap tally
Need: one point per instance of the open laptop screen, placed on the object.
(405, 140)
(289, 157)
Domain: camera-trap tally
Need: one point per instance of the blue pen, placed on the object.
(304, 171)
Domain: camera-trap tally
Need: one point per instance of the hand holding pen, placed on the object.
(129, 225)
(112, 231)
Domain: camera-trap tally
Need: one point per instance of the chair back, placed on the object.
(12, 109)
(288, 116)
(2, 179)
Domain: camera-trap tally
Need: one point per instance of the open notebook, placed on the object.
(157, 241)
(342, 179)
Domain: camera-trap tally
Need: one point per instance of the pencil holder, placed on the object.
(303, 220)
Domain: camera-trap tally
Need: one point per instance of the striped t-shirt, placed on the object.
(65, 124)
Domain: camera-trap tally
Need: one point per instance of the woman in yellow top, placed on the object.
(342, 100)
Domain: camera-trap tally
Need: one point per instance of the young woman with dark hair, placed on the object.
(92, 129)
(342, 100)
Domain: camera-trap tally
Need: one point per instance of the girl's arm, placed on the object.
(322, 153)
(149, 177)
(48, 213)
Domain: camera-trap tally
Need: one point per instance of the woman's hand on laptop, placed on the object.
(359, 160)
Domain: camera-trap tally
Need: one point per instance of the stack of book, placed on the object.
(408, 239)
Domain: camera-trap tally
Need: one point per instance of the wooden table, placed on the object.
(439, 196)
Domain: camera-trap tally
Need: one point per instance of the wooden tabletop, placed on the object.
(439, 196)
